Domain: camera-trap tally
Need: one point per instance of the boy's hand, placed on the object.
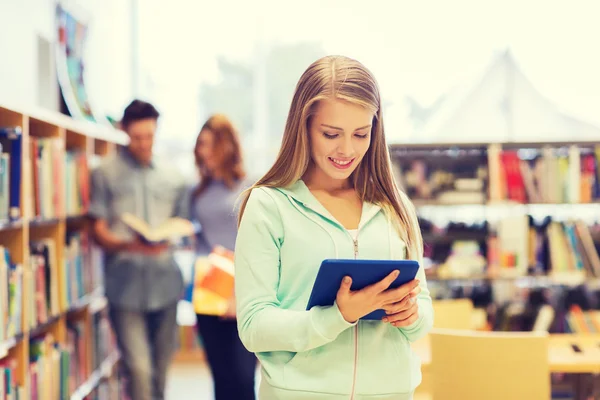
(140, 247)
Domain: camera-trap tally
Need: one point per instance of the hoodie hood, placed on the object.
(301, 194)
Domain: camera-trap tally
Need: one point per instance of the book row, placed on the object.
(514, 247)
(59, 178)
(77, 272)
(549, 174)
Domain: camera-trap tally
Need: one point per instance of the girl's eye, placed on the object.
(329, 135)
(362, 136)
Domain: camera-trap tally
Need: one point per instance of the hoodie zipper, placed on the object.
(355, 244)
(354, 373)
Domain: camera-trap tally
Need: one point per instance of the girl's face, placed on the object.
(340, 135)
(205, 150)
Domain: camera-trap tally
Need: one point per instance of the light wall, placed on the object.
(27, 74)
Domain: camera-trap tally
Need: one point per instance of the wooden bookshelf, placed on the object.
(55, 304)
(190, 347)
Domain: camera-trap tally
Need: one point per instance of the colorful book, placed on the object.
(11, 140)
(213, 282)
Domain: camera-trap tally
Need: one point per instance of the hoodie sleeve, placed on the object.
(262, 324)
(424, 322)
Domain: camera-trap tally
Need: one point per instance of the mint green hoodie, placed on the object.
(282, 239)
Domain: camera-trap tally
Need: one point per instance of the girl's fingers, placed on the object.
(408, 321)
(402, 305)
(402, 315)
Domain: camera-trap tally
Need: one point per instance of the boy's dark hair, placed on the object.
(138, 110)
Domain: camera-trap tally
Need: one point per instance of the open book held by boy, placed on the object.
(173, 228)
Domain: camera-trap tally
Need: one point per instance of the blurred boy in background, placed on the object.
(143, 282)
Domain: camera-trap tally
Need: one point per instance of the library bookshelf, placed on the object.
(55, 339)
(512, 226)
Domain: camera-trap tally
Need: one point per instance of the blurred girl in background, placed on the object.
(218, 157)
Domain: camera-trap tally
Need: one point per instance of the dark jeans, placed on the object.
(147, 341)
(232, 366)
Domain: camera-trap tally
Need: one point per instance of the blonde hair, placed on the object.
(342, 78)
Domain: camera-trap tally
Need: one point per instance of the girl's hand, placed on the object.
(356, 304)
(404, 312)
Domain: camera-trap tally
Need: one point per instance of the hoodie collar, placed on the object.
(300, 193)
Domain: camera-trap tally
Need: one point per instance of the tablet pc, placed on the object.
(363, 273)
